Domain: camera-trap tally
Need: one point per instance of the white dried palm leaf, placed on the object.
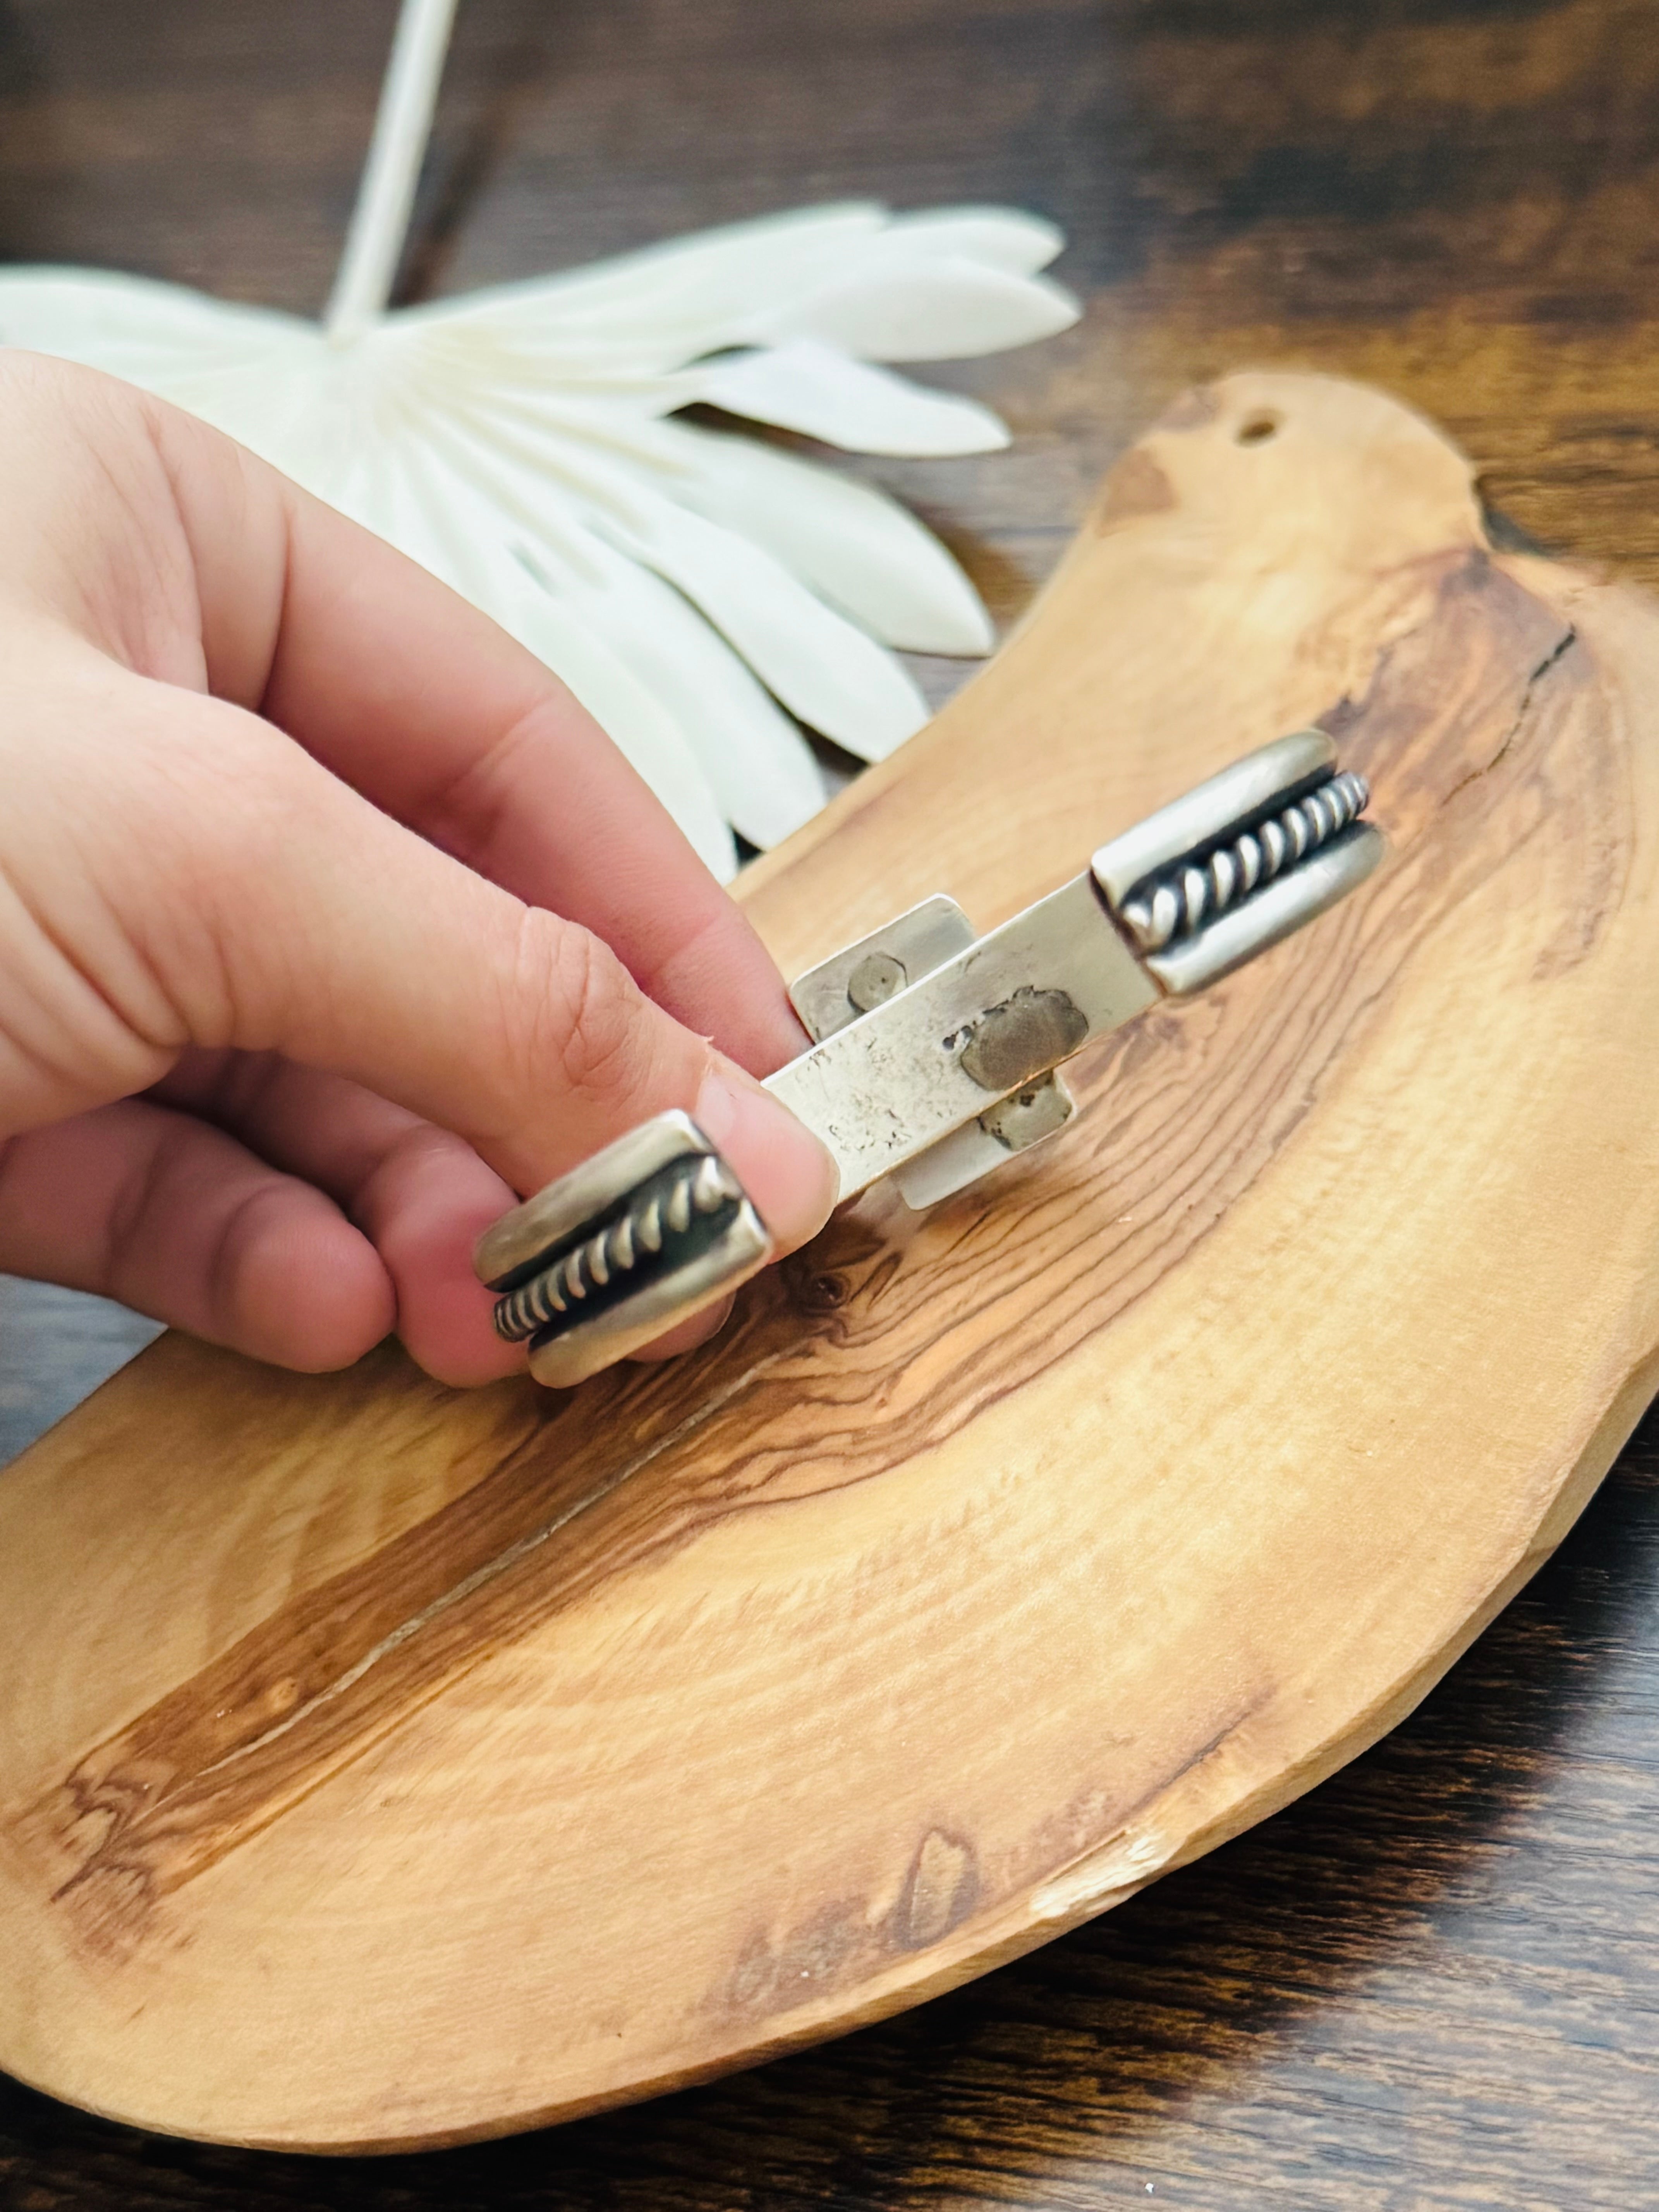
(703, 593)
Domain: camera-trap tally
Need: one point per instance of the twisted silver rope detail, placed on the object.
(1189, 895)
(700, 1185)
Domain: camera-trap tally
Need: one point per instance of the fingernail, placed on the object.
(777, 1160)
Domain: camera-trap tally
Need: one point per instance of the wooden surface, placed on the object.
(1429, 1985)
(387, 1766)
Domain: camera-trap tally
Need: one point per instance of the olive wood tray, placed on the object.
(385, 1766)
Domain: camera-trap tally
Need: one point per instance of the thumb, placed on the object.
(279, 911)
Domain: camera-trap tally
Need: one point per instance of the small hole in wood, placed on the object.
(1256, 430)
(821, 1293)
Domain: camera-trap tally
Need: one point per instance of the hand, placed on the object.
(330, 923)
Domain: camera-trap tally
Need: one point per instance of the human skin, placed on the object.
(329, 923)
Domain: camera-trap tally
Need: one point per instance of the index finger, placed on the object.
(444, 722)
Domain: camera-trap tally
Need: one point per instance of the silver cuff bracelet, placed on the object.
(935, 1051)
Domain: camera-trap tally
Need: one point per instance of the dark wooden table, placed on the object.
(1436, 1981)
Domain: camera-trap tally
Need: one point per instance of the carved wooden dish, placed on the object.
(386, 1766)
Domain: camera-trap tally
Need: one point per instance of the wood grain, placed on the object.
(998, 1559)
(1430, 1982)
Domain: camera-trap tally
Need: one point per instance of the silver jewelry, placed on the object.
(935, 1052)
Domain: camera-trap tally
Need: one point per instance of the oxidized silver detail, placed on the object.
(703, 1184)
(1026, 1037)
(541, 1301)
(1200, 891)
(876, 979)
(1030, 1115)
(1264, 782)
(900, 953)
